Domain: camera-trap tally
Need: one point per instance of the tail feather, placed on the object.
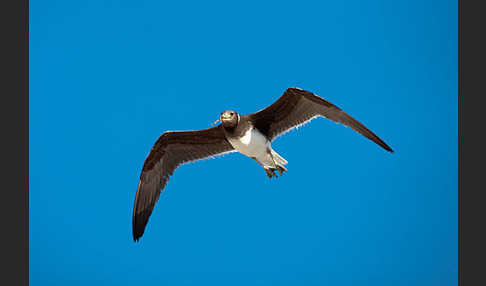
(278, 159)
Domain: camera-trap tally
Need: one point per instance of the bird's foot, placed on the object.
(270, 172)
(281, 169)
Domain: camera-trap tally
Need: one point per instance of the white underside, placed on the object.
(255, 145)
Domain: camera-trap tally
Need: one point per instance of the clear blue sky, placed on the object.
(108, 77)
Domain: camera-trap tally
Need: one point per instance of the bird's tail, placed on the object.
(278, 159)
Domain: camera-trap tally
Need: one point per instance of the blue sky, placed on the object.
(108, 77)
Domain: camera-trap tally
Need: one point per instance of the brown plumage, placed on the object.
(173, 148)
(297, 106)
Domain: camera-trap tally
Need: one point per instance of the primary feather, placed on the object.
(296, 107)
(172, 149)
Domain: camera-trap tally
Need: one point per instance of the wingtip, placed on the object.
(382, 144)
(137, 236)
(139, 222)
(137, 233)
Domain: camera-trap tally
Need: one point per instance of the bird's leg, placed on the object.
(280, 168)
(269, 170)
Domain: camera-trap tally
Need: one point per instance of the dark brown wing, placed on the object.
(296, 107)
(172, 149)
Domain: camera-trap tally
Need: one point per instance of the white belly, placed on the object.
(252, 144)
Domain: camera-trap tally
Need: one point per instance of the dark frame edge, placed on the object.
(15, 123)
(471, 143)
(459, 145)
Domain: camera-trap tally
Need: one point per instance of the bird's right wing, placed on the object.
(172, 149)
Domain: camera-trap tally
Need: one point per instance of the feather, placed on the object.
(297, 107)
(172, 149)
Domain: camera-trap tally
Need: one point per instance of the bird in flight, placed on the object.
(249, 134)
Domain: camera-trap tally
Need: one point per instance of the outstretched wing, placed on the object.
(296, 107)
(172, 149)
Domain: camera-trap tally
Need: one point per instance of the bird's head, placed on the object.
(229, 118)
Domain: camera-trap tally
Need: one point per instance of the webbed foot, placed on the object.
(281, 169)
(270, 172)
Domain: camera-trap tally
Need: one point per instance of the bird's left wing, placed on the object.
(172, 149)
(296, 107)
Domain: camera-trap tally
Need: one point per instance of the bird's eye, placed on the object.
(232, 114)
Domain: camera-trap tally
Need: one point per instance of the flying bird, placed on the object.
(249, 134)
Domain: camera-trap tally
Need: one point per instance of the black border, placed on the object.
(14, 208)
(472, 187)
(460, 277)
